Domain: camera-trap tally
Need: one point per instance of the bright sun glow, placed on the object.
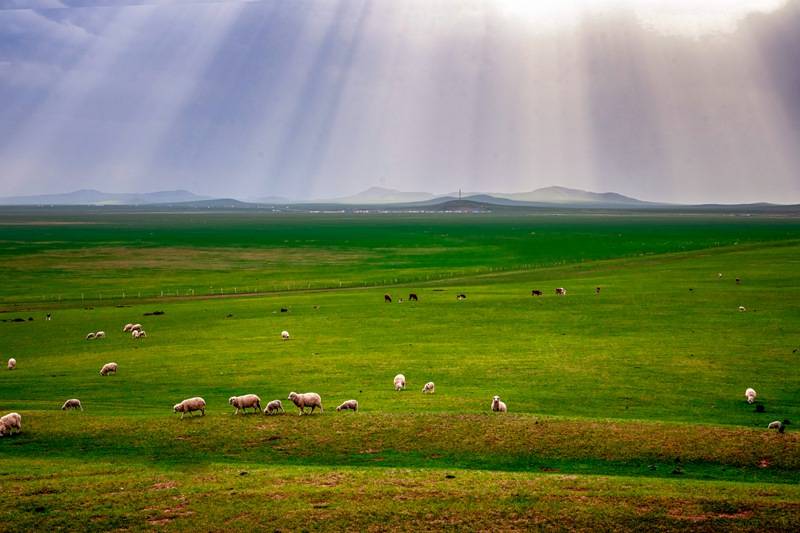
(695, 17)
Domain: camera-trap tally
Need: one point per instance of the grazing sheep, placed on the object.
(750, 395)
(74, 403)
(100, 335)
(127, 327)
(12, 364)
(136, 326)
(10, 422)
(597, 290)
(499, 406)
(285, 335)
(387, 298)
(138, 333)
(719, 274)
(273, 407)
(349, 405)
(399, 382)
(108, 368)
(561, 291)
(738, 281)
(413, 297)
(780, 426)
(742, 309)
(90, 336)
(429, 388)
(190, 405)
(461, 296)
(243, 402)
(308, 399)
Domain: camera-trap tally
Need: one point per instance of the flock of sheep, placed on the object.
(311, 400)
(303, 401)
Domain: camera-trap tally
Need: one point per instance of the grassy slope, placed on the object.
(644, 380)
(43, 259)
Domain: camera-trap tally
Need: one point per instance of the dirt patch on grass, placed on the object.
(163, 485)
(219, 259)
(680, 514)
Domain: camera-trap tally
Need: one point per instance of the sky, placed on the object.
(677, 101)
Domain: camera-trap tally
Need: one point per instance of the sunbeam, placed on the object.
(672, 101)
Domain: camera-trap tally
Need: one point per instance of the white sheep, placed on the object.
(100, 335)
(190, 405)
(750, 395)
(285, 335)
(10, 422)
(12, 363)
(90, 336)
(429, 388)
(127, 327)
(399, 382)
(74, 403)
(243, 402)
(349, 405)
(138, 333)
(273, 407)
(308, 399)
(108, 368)
(742, 309)
(499, 406)
(136, 326)
(780, 426)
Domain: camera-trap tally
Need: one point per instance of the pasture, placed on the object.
(626, 408)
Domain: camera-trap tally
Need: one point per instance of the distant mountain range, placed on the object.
(94, 197)
(374, 197)
(380, 195)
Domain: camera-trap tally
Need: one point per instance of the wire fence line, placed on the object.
(89, 295)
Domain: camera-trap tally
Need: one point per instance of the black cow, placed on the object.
(536, 292)
(387, 298)
(413, 297)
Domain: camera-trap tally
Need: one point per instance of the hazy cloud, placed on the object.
(322, 98)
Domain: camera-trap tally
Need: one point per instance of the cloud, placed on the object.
(310, 98)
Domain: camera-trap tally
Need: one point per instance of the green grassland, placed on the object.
(626, 408)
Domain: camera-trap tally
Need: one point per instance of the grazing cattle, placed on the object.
(561, 291)
(48, 317)
(536, 292)
(597, 290)
(461, 297)
(738, 281)
(284, 310)
(387, 298)
(413, 297)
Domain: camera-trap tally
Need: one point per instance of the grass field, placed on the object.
(626, 408)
